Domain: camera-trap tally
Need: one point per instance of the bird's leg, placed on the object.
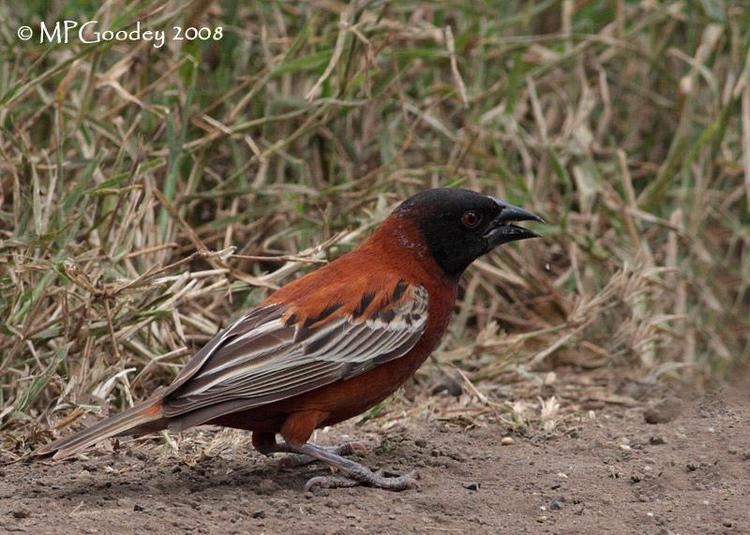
(266, 444)
(354, 473)
(294, 459)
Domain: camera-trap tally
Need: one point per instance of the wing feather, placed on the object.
(262, 358)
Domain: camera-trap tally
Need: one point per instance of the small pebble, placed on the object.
(664, 411)
(20, 513)
(507, 441)
(138, 508)
(448, 385)
(266, 486)
(472, 486)
(727, 523)
(557, 503)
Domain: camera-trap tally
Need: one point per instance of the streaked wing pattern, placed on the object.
(264, 358)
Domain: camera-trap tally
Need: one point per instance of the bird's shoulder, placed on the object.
(373, 276)
(358, 296)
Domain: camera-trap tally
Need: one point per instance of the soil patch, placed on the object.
(605, 471)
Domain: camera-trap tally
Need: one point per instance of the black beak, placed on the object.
(501, 229)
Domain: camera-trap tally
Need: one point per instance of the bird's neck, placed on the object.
(399, 242)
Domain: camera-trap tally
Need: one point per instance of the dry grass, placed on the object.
(148, 195)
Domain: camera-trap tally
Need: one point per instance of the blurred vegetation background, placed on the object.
(148, 195)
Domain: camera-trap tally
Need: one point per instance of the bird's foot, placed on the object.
(379, 479)
(352, 473)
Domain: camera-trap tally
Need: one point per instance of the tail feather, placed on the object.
(143, 418)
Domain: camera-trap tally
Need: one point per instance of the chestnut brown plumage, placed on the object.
(333, 343)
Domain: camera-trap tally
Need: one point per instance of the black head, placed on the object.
(460, 225)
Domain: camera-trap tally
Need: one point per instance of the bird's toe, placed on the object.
(379, 479)
(330, 482)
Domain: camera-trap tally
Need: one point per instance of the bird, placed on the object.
(332, 343)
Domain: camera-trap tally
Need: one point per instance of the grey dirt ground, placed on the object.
(607, 472)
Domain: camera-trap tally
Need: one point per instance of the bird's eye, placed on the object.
(471, 219)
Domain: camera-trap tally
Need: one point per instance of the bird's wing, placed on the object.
(274, 353)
